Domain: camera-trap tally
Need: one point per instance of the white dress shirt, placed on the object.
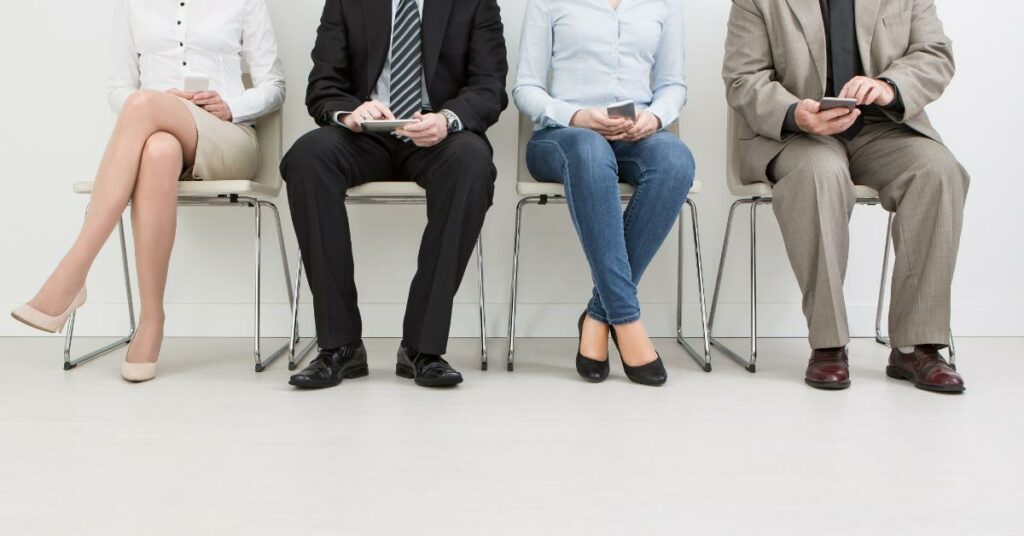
(157, 42)
(382, 91)
(597, 56)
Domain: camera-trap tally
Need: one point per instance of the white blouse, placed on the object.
(596, 56)
(157, 42)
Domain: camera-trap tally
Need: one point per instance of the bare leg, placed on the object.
(636, 347)
(145, 114)
(594, 343)
(154, 217)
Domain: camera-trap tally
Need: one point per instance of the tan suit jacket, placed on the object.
(775, 56)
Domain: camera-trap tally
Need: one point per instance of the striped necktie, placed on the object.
(406, 62)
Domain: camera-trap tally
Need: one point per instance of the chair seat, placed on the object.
(533, 188)
(761, 189)
(387, 189)
(207, 189)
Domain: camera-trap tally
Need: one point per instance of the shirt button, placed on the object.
(179, 23)
(181, 44)
(183, 4)
(184, 63)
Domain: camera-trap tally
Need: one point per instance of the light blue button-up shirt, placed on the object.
(598, 56)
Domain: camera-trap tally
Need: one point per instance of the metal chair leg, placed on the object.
(703, 360)
(750, 365)
(262, 364)
(124, 341)
(483, 301)
(879, 338)
(296, 357)
(515, 286)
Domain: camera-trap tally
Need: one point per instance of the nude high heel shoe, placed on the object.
(30, 316)
(138, 372)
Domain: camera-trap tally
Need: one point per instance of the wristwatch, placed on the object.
(454, 123)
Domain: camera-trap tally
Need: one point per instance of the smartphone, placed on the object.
(830, 103)
(196, 83)
(624, 109)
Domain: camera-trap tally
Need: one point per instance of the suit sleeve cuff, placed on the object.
(789, 126)
(896, 106)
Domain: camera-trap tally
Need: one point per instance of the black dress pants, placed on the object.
(458, 175)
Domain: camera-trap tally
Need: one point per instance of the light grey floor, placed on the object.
(211, 447)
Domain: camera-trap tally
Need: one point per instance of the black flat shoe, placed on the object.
(425, 369)
(332, 366)
(592, 370)
(653, 373)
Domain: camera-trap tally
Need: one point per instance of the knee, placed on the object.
(306, 159)
(674, 167)
(941, 172)
(469, 166)
(584, 147)
(140, 104)
(162, 148)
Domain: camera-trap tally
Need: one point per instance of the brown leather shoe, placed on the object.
(926, 368)
(829, 369)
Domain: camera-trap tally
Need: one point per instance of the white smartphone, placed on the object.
(830, 103)
(196, 83)
(387, 125)
(624, 109)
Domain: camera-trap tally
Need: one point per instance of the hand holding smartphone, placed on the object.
(624, 109)
(831, 103)
(196, 83)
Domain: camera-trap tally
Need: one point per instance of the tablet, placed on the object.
(386, 125)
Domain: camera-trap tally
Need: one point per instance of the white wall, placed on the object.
(56, 122)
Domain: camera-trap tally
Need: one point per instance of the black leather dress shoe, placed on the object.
(592, 370)
(427, 370)
(652, 374)
(332, 366)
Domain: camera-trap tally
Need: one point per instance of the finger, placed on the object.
(862, 93)
(848, 88)
(872, 95)
(422, 126)
(385, 112)
(833, 114)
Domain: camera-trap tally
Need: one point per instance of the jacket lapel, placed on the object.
(867, 21)
(808, 13)
(377, 18)
(435, 21)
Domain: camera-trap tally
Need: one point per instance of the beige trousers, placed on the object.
(918, 179)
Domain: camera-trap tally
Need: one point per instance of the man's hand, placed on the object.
(596, 119)
(211, 102)
(428, 132)
(868, 91)
(368, 111)
(812, 120)
(646, 125)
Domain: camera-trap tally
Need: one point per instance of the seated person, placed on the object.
(164, 134)
(893, 58)
(598, 53)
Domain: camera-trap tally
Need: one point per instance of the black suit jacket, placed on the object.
(464, 58)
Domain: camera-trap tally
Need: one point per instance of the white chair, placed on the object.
(755, 195)
(388, 193)
(532, 191)
(256, 194)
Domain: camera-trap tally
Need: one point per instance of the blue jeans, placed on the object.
(619, 246)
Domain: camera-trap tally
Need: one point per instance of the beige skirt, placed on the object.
(226, 151)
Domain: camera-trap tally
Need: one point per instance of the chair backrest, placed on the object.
(526, 132)
(269, 130)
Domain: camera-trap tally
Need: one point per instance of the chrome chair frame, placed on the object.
(704, 360)
(751, 364)
(220, 201)
(296, 355)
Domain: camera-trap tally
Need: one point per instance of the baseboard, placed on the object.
(535, 320)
